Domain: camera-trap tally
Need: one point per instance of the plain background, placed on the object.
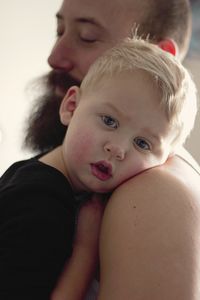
(27, 34)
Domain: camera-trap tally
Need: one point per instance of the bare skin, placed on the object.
(150, 234)
(150, 241)
(80, 269)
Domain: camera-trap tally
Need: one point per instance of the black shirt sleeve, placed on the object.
(36, 236)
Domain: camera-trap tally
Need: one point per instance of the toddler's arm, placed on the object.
(80, 268)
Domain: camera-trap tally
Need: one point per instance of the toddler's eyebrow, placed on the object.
(118, 111)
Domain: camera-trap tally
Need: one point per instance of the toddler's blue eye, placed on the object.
(110, 122)
(141, 143)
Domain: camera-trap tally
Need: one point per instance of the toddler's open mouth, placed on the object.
(102, 170)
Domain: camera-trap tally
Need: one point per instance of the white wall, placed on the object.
(193, 143)
(27, 32)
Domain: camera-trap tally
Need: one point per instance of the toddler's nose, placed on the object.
(115, 151)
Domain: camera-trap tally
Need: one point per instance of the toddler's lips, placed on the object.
(102, 170)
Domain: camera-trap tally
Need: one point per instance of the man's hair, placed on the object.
(167, 19)
(178, 92)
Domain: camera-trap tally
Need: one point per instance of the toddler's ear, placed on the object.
(69, 104)
(169, 45)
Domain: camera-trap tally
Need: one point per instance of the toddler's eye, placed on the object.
(141, 143)
(110, 122)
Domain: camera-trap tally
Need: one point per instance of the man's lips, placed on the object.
(61, 81)
(102, 170)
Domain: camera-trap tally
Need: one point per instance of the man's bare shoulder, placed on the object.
(150, 236)
(175, 184)
(179, 175)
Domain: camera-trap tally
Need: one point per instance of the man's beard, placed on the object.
(44, 131)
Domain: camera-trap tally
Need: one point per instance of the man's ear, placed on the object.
(169, 45)
(69, 104)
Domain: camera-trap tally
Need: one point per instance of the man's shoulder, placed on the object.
(181, 171)
(175, 183)
(167, 195)
(151, 227)
(183, 154)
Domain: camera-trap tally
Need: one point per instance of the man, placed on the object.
(149, 241)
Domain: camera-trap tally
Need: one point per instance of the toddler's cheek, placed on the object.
(83, 147)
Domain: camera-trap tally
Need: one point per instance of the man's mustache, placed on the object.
(61, 79)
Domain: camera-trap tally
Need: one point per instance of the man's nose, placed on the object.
(116, 151)
(61, 55)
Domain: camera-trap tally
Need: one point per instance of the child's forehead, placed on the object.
(125, 91)
(121, 79)
(130, 82)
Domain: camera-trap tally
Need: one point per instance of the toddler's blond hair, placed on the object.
(178, 90)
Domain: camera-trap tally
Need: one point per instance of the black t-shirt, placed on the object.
(37, 221)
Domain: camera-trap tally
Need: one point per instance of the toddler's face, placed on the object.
(117, 131)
